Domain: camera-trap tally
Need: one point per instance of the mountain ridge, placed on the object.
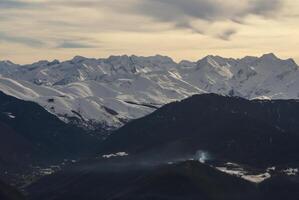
(89, 87)
(254, 132)
(79, 57)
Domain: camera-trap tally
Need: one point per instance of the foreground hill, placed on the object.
(252, 132)
(206, 147)
(31, 136)
(108, 180)
(9, 193)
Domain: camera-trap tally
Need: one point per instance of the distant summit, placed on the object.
(114, 90)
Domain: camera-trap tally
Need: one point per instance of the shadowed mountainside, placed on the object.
(32, 136)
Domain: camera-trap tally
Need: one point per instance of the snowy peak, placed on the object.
(8, 68)
(6, 62)
(215, 64)
(158, 59)
(87, 69)
(217, 59)
(78, 59)
(114, 90)
(269, 56)
(134, 64)
(273, 61)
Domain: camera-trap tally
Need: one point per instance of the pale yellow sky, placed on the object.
(32, 30)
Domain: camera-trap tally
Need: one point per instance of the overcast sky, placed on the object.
(32, 30)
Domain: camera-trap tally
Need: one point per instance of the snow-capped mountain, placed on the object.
(113, 90)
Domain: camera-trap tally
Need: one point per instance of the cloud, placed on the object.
(182, 13)
(74, 45)
(28, 41)
(21, 5)
(10, 4)
(212, 10)
(164, 10)
(265, 7)
(142, 16)
(227, 34)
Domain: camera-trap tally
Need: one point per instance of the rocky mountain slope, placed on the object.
(120, 88)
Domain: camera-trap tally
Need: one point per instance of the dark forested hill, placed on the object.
(158, 155)
(29, 135)
(9, 193)
(251, 132)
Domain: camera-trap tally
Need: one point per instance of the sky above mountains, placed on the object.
(46, 29)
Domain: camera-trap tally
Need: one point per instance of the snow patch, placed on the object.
(119, 154)
(240, 172)
(10, 115)
(291, 171)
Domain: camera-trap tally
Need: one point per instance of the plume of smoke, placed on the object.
(202, 156)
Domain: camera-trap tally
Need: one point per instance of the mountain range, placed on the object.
(206, 147)
(107, 93)
(130, 127)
